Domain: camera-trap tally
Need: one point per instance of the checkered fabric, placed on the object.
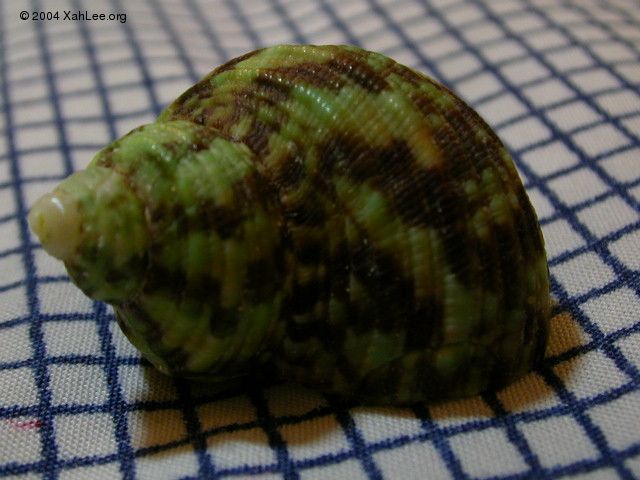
(558, 80)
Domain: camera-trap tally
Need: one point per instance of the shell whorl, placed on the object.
(337, 217)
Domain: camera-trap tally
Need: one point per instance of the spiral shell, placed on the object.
(321, 213)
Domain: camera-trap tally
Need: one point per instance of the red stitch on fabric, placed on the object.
(27, 425)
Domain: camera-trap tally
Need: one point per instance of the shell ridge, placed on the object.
(331, 216)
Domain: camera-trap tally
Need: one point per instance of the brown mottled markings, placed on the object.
(351, 156)
(509, 264)
(175, 358)
(258, 137)
(304, 296)
(234, 61)
(263, 278)
(528, 227)
(319, 75)
(312, 251)
(271, 90)
(424, 327)
(430, 197)
(407, 74)
(306, 211)
(208, 216)
(355, 68)
(542, 334)
(191, 99)
(101, 261)
(222, 219)
(531, 325)
(223, 322)
(204, 290)
(448, 196)
(380, 383)
(390, 293)
(175, 282)
(202, 90)
(464, 158)
(291, 171)
(339, 271)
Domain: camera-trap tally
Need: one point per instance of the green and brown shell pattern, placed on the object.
(318, 212)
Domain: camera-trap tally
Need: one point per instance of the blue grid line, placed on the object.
(281, 10)
(72, 71)
(611, 32)
(52, 148)
(176, 43)
(592, 431)
(581, 466)
(358, 446)
(114, 44)
(27, 180)
(537, 81)
(53, 96)
(11, 286)
(320, 460)
(599, 344)
(230, 428)
(206, 468)
(441, 444)
(128, 85)
(567, 131)
(548, 141)
(239, 15)
(443, 432)
(276, 441)
(578, 227)
(192, 424)
(570, 143)
(208, 30)
(513, 434)
(517, 439)
(82, 119)
(88, 90)
(74, 359)
(439, 439)
(147, 80)
(628, 16)
(121, 361)
(116, 405)
(616, 235)
(339, 24)
(620, 269)
(41, 374)
(587, 48)
(583, 205)
(578, 166)
(115, 398)
(11, 251)
(608, 338)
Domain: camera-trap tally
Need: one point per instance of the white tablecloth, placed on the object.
(559, 82)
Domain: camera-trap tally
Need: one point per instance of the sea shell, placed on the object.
(318, 212)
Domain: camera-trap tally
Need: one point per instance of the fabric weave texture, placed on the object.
(558, 80)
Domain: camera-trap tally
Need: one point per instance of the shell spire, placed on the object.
(320, 212)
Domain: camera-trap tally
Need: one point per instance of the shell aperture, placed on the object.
(319, 212)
